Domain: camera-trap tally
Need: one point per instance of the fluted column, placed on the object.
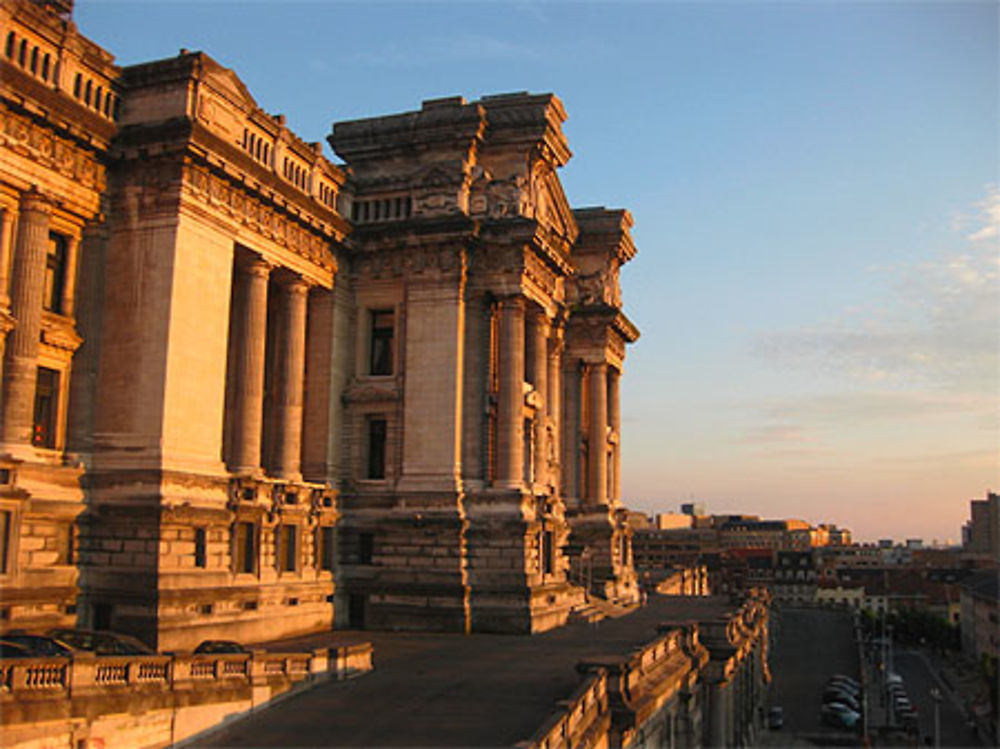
(539, 376)
(6, 242)
(292, 353)
(510, 407)
(597, 385)
(27, 291)
(615, 422)
(553, 405)
(250, 343)
(68, 302)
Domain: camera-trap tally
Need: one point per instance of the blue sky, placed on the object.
(814, 187)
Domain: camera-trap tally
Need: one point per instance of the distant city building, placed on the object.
(693, 508)
(981, 534)
(668, 520)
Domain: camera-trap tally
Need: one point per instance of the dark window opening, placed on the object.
(77, 83)
(34, 60)
(548, 553)
(376, 448)
(6, 519)
(200, 544)
(11, 42)
(288, 551)
(381, 342)
(246, 547)
(46, 62)
(43, 433)
(55, 272)
(366, 548)
(22, 55)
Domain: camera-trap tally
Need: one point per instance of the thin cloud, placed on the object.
(938, 331)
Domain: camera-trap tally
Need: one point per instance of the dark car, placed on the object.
(839, 715)
(216, 647)
(842, 699)
(13, 650)
(101, 643)
(40, 645)
(775, 718)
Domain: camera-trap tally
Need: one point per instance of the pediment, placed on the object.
(548, 202)
(227, 84)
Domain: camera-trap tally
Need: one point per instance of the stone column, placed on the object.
(292, 353)
(553, 405)
(68, 302)
(539, 375)
(597, 384)
(6, 240)
(510, 408)
(27, 291)
(251, 336)
(718, 715)
(615, 422)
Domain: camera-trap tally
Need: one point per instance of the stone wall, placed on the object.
(151, 701)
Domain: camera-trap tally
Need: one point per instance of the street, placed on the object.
(810, 646)
(919, 679)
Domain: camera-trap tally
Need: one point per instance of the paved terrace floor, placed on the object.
(447, 690)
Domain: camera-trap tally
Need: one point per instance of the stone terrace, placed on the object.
(451, 690)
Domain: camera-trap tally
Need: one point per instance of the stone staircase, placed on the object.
(595, 609)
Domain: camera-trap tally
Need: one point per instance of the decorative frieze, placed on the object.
(238, 204)
(27, 138)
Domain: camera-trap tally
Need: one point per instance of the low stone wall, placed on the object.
(89, 702)
(583, 722)
(626, 700)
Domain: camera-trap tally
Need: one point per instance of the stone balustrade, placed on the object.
(583, 720)
(179, 695)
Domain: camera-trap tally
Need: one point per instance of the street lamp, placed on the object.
(936, 696)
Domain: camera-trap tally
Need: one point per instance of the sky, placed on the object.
(816, 195)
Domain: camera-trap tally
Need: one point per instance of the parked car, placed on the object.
(13, 650)
(101, 643)
(839, 715)
(841, 697)
(775, 717)
(844, 678)
(40, 646)
(893, 678)
(844, 686)
(220, 646)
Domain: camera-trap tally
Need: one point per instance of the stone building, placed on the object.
(59, 94)
(248, 392)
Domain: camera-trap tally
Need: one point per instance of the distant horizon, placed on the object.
(816, 196)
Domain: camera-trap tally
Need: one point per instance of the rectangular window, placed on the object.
(325, 547)
(6, 519)
(43, 433)
(288, 551)
(376, 448)
(55, 272)
(200, 543)
(547, 553)
(382, 322)
(246, 547)
(366, 548)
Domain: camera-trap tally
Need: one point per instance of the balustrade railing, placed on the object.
(85, 673)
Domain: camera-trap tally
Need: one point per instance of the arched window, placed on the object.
(22, 55)
(11, 43)
(46, 61)
(266, 152)
(87, 93)
(107, 104)
(97, 98)
(77, 83)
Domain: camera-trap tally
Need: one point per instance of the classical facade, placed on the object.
(249, 392)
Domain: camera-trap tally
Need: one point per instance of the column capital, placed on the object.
(254, 265)
(296, 285)
(33, 200)
(512, 302)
